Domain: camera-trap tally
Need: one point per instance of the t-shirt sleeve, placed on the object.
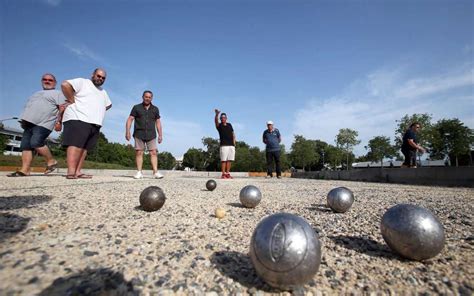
(157, 113)
(410, 135)
(108, 102)
(134, 112)
(76, 83)
(231, 127)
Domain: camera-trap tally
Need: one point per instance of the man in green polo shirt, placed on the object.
(147, 122)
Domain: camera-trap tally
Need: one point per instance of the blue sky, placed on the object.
(312, 67)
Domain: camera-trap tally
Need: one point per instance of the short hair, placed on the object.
(414, 123)
(223, 114)
(147, 91)
(97, 69)
(49, 74)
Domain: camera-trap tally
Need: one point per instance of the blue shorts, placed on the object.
(34, 136)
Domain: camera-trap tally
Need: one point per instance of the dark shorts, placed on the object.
(34, 136)
(80, 134)
(410, 157)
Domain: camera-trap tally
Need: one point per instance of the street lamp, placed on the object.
(2, 120)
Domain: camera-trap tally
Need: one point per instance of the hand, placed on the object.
(127, 136)
(160, 139)
(217, 111)
(58, 126)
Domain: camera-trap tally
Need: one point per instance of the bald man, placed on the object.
(83, 119)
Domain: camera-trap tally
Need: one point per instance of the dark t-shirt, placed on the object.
(226, 134)
(145, 121)
(409, 134)
(272, 140)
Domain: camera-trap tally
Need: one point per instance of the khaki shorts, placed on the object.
(227, 153)
(149, 145)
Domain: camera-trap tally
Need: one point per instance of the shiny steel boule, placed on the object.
(250, 196)
(211, 185)
(412, 231)
(285, 251)
(340, 199)
(152, 198)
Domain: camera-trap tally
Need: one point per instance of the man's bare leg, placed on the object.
(26, 159)
(46, 153)
(154, 161)
(73, 157)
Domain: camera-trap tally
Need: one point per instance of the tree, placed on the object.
(211, 154)
(303, 153)
(334, 156)
(284, 159)
(194, 158)
(451, 137)
(423, 136)
(347, 139)
(166, 160)
(379, 147)
(3, 143)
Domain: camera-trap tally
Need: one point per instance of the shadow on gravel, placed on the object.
(364, 245)
(11, 224)
(101, 281)
(235, 205)
(18, 202)
(238, 267)
(321, 208)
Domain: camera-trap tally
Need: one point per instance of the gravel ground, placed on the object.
(67, 237)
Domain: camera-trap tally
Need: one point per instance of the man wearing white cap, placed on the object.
(272, 139)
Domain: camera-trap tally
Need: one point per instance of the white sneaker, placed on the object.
(138, 175)
(157, 175)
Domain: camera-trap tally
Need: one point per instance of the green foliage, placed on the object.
(284, 159)
(194, 159)
(211, 154)
(303, 153)
(423, 136)
(451, 137)
(3, 143)
(379, 148)
(166, 161)
(347, 139)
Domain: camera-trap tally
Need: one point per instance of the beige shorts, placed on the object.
(227, 153)
(149, 145)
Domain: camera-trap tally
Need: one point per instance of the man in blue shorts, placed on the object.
(83, 119)
(38, 120)
(147, 122)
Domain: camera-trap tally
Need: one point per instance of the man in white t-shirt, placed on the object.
(83, 119)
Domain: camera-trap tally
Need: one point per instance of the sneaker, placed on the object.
(279, 177)
(223, 176)
(268, 177)
(138, 175)
(228, 176)
(157, 175)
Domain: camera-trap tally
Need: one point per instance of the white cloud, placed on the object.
(372, 105)
(83, 52)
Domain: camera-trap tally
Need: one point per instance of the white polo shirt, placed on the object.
(90, 102)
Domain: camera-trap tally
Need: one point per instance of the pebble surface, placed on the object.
(68, 237)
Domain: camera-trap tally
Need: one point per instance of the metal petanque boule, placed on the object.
(152, 198)
(211, 185)
(285, 251)
(412, 231)
(340, 199)
(250, 196)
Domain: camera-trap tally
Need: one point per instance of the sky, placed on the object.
(312, 67)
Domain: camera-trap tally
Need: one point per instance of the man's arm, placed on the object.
(279, 137)
(68, 91)
(416, 146)
(216, 118)
(160, 131)
(263, 138)
(233, 138)
(127, 127)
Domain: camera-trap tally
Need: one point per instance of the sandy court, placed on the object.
(60, 236)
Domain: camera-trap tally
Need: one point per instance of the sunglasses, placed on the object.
(45, 79)
(101, 77)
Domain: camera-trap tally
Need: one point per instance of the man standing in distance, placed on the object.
(38, 120)
(147, 117)
(227, 143)
(83, 119)
(410, 146)
(272, 139)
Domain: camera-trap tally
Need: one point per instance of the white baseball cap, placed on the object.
(269, 122)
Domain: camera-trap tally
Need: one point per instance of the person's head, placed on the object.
(415, 126)
(270, 125)
(223, 117)
(48, 81)
(147, 97)
(98, 77)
